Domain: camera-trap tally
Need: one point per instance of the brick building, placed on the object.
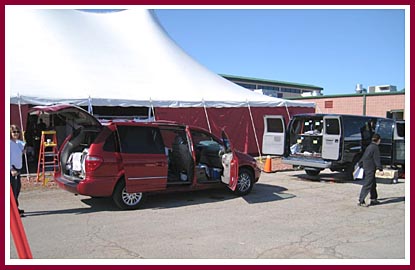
(390, 104)
(382, 101)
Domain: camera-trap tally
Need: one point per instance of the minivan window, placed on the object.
(109, 145)
(140, 140)
(332, 127)
(173, 135)
(202, 138)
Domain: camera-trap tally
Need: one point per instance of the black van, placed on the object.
(319, 141)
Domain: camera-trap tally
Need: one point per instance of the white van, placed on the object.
(330, 141)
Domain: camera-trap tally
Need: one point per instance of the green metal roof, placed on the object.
(280, 83)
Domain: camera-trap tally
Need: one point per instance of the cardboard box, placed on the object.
(387, 174)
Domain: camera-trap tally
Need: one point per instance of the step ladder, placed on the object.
(48, 163)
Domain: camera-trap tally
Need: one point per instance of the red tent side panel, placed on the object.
(236, 122)
(15, 116)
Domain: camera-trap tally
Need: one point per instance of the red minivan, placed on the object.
(126, 159)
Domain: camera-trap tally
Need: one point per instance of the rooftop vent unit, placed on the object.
(382, 88)
(359, 88)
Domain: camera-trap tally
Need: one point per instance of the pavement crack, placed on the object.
(104, 245)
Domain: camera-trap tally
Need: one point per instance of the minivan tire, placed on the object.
(125, 200)
(245, 182)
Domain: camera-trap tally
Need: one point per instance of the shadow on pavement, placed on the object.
(267, 193)
(383, 201)
(97, 205)
(260, 193)
(340, 178)
(332, 177)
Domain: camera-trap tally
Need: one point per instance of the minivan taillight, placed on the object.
(92, 163)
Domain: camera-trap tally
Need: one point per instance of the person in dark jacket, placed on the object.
(370, 162)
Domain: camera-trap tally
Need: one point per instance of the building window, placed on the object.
(290, 90)
(395, 114)
(247, 85)
(328, 104)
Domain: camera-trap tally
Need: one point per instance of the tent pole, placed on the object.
(253, 127)
(288, 112)
(206, 114)
(318, 109)
(151, 110)
(21, 125)
(90, 108)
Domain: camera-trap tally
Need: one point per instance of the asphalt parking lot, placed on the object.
(287, 216)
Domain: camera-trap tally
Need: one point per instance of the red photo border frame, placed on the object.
(188, 267)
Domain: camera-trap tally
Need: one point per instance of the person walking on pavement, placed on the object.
(370, 162)
(17, 148)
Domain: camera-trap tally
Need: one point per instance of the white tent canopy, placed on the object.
(122, 58)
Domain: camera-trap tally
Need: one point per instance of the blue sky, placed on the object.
(331, 48)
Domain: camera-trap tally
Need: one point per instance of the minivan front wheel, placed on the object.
(125, 200)
(245, 182)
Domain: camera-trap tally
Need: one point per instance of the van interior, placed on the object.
(306, 137)
(72, 157)
(181, 169)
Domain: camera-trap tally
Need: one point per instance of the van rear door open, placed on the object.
(273, 141)
(331, 137)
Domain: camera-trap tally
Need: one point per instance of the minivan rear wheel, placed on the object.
(125, 200)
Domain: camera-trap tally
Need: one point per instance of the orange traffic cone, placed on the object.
(268, 165)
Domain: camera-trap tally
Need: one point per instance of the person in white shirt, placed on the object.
(17, 148)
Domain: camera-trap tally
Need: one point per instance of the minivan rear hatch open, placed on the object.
(75, 129)
(73, 115)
